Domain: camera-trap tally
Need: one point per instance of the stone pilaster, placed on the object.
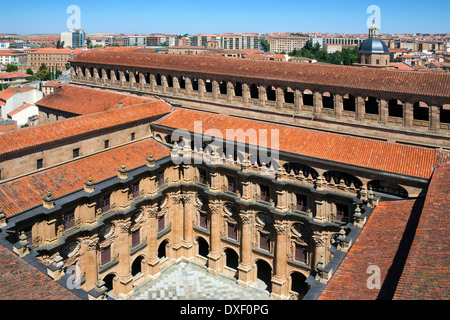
(125, 279)
(279, 283)
(214, 256)
(245, 266)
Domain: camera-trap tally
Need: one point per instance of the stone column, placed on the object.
(434, 118)
(230, 92)
(279, 283)
(215, 90)
(164, 84)
(408, 114)
(188, 86)
(176, 212)
(90, 262)
(152, 244)
(298, 101)
(201, 89)
(176, 85)
(338, 106)
(245, 94)
(360, 108)
(122, 245)
(262, 96)
(214, 256)
(245, 265)
(319, 248)
(320, 215)
(317, 103)
(384, 111)
(189, 210)
(280, 98)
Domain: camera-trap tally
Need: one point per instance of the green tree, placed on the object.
(88, 43)
(43, 72)
(29, 71)
(11, 68)
(265, 45)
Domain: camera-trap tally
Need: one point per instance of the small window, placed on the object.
(231, 184)
(160, 178)
(203, 220)
(135, 238)
(265, 193)
(378, 61)
(105, 203)
(341, 212)
(76, 153)
(161, 223)
(301, 202)
(133, 136)
(69, 219)
(135, 189)
(232, 231)
(202, 176)
(39, 164)
(300, 253)
(264, 241)
(105, 255)
(106, 144)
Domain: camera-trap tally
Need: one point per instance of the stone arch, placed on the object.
(254, 92)
(327, 100)
(299, 168)
(421, 111)
(289, 95)
(109, 280)
(147, 78)
(162, 249)
(298, 285)
(182, 82)
(136, 266)
(271, 93)
(264, 273)
(203, 247)
(194, 83)
(158, 79)
(127, 75)
(371, 105)
(337, 176)
(308, 97)
(231, 258)
(208, 85)
(387, 187)
(349, 102)
(223, 87)
(159, 138)
(169, 79)
(395, 107)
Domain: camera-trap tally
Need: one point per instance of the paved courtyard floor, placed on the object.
(187, 281)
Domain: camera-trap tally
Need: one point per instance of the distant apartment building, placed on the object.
(228, 41)
(73, 38)
(286, 44)
(344, 41)
(15, 57)
(53, 58)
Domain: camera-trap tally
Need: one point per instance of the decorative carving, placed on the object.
(214, 207)
(280, 228)
(125, 226)
(318, 239)
(246, 218)
(152, 211)
(91, 243)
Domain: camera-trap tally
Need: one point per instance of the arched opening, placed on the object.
(194, 84)
(336, 177)
(298, 168)
(254, 92)
(238, 89)
(271, 93)
(208, 85)
(127, 76)
(371, 105)
(203, 247)
(264, 274)
(158, 79)
(289, 95)
(298, 284)
(308, 98)
(445, 114)
(349, 102)
(147, 78)
(169, 81)
(395, 108)
(136, 77)
(388, 187)
(109, 281)
(162, 249)
(420, 111)
(223, 87)
(327, 100)
(182, 82)
(232, 258)
(136, 267)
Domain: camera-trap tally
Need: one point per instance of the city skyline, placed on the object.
(261, 17)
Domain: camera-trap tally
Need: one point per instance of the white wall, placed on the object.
(19, 99)
(22, 116)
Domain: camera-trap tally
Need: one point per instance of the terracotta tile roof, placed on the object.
(20, 281)
(401, 66)
(55, 51)
(83, 100)
(68, 128)
(14, 74)
(376, 245)
(27, 192)
(19, 109)
(379, 155)
(52, 83)
(373, 79)
(9, 92)
(426, 274)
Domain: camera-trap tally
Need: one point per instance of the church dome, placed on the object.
(373, 45)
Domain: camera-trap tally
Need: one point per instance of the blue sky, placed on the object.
(199, 16)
